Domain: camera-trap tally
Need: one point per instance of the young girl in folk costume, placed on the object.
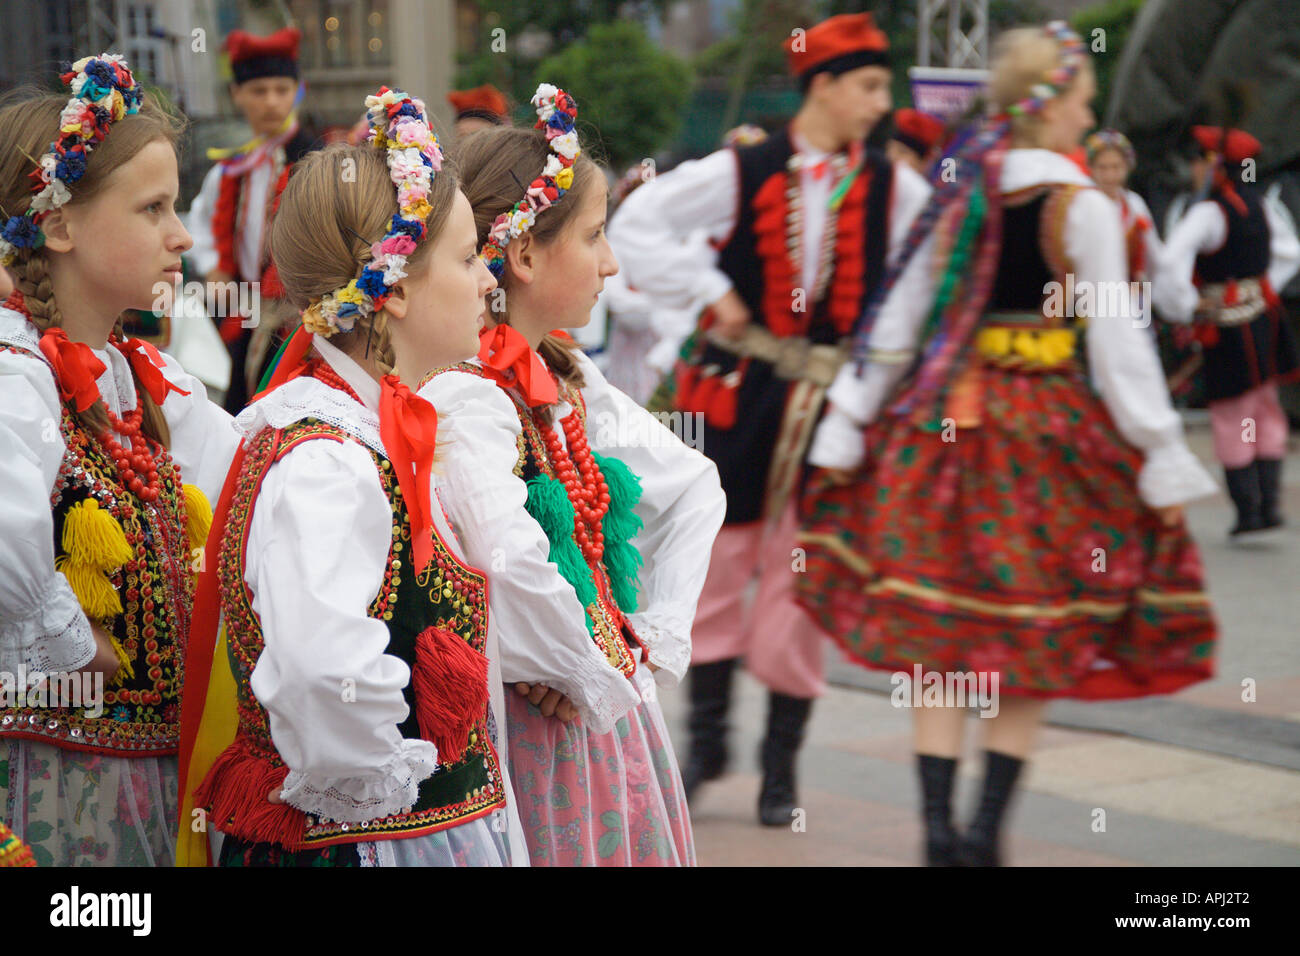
(1222, 267)
(998, 517)
(594, 521)
(357, 633)
(1111, 160)
(104, 447)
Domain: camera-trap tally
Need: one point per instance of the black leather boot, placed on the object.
(979, 847)
(786, 719)
(1244, 487)
(710, 692)
(936, 801)
(1270, 491)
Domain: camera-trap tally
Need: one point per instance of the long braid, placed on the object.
(32, 278)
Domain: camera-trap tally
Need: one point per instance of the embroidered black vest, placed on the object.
(447, 594)
(1244, 253)
(141, 711)
(762, 249)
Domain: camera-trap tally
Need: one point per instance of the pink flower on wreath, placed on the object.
(500, 229)
(538, 196)
(397, 245)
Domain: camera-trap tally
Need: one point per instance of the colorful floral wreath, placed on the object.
(1110, 139)
(399, 124)
(556, 113)
(103, 91)
(1059, 77)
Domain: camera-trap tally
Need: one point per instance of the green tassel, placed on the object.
(550, 507)
(620, 525)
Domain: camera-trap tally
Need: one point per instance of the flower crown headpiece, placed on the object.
(1059, 77)
(103, 91)
(556, 113)
(1110, 139)
(400, 125)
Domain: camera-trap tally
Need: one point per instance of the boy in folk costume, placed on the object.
(802, 222)
(1221, 268)
(230, 215)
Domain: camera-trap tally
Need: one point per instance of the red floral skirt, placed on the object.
(1016, 545)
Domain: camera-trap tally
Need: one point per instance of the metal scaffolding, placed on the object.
(952, 33)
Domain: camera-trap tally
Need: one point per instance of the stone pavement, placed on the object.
(1202, 778)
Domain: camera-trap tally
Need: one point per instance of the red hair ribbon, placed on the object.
(75, 368)
(408, 427)
(510, 361)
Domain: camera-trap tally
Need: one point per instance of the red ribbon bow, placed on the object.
(147, 362)
(75, 367)
(408, 427)
(509, 360)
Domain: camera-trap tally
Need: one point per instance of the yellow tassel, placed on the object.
(124, 669)
(92, 538)
(198, 516)
(95, 593)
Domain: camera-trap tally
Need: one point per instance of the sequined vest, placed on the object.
(141, 707)
(447, 594)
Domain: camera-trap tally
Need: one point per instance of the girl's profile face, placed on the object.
(573, 268)
(124, 246)
(446, 304)
(1069, 116)
(1110, 170)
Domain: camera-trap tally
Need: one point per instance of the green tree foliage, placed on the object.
(1114, 18)
(630, 92)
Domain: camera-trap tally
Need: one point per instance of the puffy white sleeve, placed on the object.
(42, 626)
(317, 548)
(541, 623)
(1202, 229)
(856, 401)
(911, 192)
(681, 508)
(1122, 357)
(652, 230)
(1283, 246)
(203, 254)
(203, 436)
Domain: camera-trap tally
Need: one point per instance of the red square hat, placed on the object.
(918, 131)
(253, 56)
(841, 43)
(485, 102)
(1237, 146)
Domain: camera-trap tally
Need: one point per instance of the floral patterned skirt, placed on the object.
(599, 800)
(75, 808)
(1016, 545)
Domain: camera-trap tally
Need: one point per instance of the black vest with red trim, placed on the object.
(758, 257)
(1240, 357)
(1244, 253)
(140, 715)
(447, 594)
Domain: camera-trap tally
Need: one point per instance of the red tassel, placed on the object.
(451, 692)
(721, 409)
(236, 790)
(1230, 292)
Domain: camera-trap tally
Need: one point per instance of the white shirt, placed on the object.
(1122, 359)
(248, 240)
(1204, 229)
(42, 626)
(656, 221)
(536, 613)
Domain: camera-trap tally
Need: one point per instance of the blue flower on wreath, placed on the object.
(101, 73)
(371, 282)
(22, 232)
(71, 167)
(561, 121)
(406, 227)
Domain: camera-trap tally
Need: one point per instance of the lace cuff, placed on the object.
(1172, 475)
(667, 643)
(609, 696)
(55, 638)
(838, 442)
(393, 788)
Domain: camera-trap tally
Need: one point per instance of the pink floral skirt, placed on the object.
(599, 800)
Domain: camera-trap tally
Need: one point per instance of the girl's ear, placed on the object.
(397, 302)
(54, 227)
(521, 258)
